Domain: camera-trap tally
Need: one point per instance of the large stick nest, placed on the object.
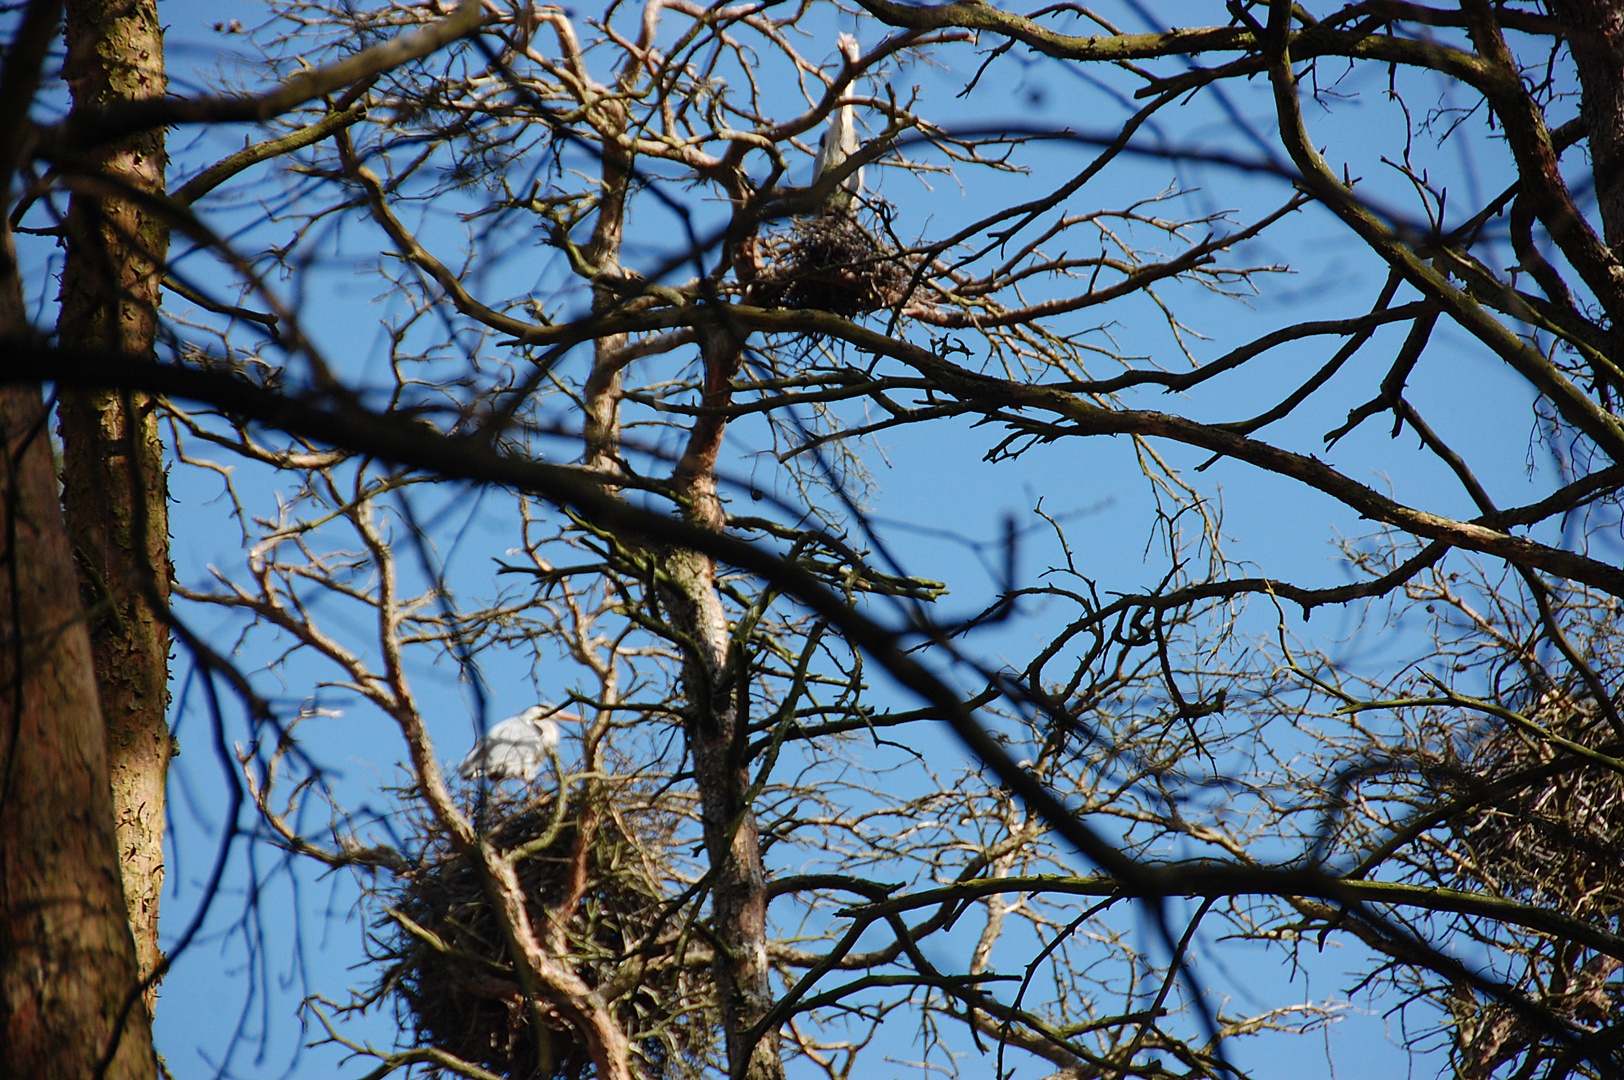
(1544, 824)
(455, 984)
(831, 263)
(1551, 828)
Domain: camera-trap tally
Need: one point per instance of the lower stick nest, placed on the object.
(448, 966)
(831, 263)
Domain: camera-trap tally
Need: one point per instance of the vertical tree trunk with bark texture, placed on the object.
(717, 724)
(67, 962)
(1595, 33)
(113, 476)
(601, 394)
(716, 718)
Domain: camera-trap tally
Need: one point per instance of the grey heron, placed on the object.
(517, 747)
(839, 143)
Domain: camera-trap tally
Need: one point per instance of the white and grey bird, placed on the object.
(840, 142)
(515, 748)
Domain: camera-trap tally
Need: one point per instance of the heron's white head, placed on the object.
(545, 719)
(517, 747)
(848, 47)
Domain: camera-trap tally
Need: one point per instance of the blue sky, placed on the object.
(229, 1004)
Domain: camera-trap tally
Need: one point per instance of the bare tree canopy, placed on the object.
(1065, 544)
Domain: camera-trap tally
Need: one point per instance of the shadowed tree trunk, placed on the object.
(67, 962)
(112, 471)
(68, 973)
(1595, 33)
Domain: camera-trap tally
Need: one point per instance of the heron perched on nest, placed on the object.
(830, 261)
(446, 951)
(839, 143)
(517, 747)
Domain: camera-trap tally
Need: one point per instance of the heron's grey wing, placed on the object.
(493, 755)
(473, 766)
(512, 748)
(826, 153)
(839, 143)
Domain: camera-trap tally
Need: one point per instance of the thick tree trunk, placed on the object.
(717, 720)
(67, 962)
(1595, 33)
(715, 708)
(113, 475)
(68, 979)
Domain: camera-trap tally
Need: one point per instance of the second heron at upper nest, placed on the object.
(839, 143)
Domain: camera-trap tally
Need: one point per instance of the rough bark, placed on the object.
(601, 394)
(68, 1006)
(1595, 33)
(113, 476)
(67, 961)
(717, 721)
